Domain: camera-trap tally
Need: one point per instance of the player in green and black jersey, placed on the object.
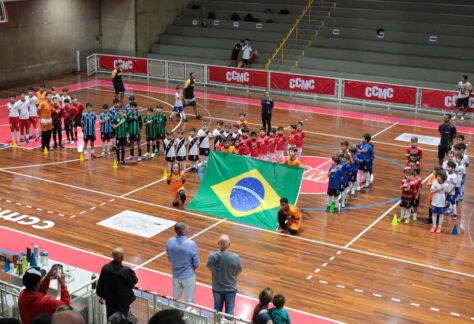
(160, 122)
(120, 127)
(151, 131)
(134, 129)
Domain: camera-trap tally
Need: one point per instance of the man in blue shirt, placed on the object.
(183, 255)
(267, 107)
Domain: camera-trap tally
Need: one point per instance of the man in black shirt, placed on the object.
(267, 107)
(234, 57)
(188, 94)
(116, 284)
(448, 133)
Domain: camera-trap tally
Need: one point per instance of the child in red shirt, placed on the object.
(271, 146)
(77, 110)
(416, 192)
(254, 146)
(414, 149)
(280, 140)
(244, 147)
(299, 139)
(262, 141)
(408, 188)
(67, 117)
(292, 138)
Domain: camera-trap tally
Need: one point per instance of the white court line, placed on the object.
(386, 129)
(380, 218)
(157, 271)
(289, 236)
(145, 186)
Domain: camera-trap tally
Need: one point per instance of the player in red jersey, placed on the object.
(414, 150)
(244, 143)
(299, 139)
(77, 110)
(262, 141)
(67, 117)
(271, 146)
(408, 189)
(416, 192)
(280, 140)
(57, 114)
(292, 138)
(254, 146)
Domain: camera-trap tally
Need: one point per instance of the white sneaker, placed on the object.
(462, 117)
(72, 142)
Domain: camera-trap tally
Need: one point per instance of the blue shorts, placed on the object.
(451, 199)
(178, 109)
(437, 210)
(457, 191)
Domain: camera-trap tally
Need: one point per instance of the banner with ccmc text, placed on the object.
(303, 83)
(442, 99)
(380, 92)
(238, 76)
(133, 65)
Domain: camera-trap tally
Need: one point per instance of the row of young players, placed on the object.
(349, 169)
(239, 141)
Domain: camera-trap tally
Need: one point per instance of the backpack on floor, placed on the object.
(235, 16)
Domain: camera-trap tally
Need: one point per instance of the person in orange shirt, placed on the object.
(432, 179)
(176, 181)
(41, 94)
(292, 160)
(242, 120)
(289, 217)
(45, 110)
(227, 148)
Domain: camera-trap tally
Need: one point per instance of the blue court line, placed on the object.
(6, 252)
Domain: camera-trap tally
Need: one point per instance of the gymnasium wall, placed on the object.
(42, 37)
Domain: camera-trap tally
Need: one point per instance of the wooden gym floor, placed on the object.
(349, 267)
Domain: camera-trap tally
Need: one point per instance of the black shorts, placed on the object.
(160, 136)
(193, 158)
(344, 185)
(204, 151)
(170, 158)
(105, 136)
(118, 87)
(353, 177)
(89, 138)
(333, 192)
(121, 141)
(135, 138)
(443, 149)
(150, 139)
(462, 103)
(77, 124)
(180, 158)
(415, 202)
(405, 204)
(246, 61)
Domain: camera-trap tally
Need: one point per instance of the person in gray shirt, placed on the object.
(225, 267)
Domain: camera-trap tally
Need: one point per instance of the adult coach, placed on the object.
(188, 94)
(225, 267)
(447, 132)
(117, 81)
(465, 91)
(267, 107)
(289, 217)
(45, 111)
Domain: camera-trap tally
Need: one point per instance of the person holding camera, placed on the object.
(33, 300)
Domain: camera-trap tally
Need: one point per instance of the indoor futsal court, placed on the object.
(355, 265)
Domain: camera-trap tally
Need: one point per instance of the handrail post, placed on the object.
(282, 51)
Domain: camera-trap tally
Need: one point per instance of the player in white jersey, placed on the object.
(451, 181)
(178, 105)
(204, 135)
(14, 119)
(23, 106)
(64, 95)
(33, 112)
(218, 134)
(170, 153)
(193, 153)
(181, 150)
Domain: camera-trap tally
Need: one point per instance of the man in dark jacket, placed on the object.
(116, 284)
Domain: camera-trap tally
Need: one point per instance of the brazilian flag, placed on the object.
(245, 189)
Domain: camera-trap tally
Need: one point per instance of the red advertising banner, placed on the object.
(238, 76)
(442, 99)
(129, 64)
(380, 92)
(303, 83)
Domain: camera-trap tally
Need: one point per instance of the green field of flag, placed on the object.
(246, 190)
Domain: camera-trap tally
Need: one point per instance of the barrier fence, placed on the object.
(147, 303)
(294, 85)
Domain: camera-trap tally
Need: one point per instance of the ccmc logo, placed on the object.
(246, 194)
(126, 65)
(237, 76)
(316, 174)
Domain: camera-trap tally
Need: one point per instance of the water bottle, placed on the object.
(15, 259)
(28, 254)
(19, 267)
(33, 262)
(44, 259)
(24, 263)
(35, 248)
(6, 266)
(11, 266)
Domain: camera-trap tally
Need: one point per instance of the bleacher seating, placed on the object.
(405, 55)
(184, 41)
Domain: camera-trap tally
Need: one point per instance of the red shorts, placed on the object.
(33, 121)
(24, 123)
(14, 123)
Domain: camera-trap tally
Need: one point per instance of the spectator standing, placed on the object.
(234, 56)
(183, 254)
(267, 107)
(260, 312)
(465, 91)
(447, 132)
(246, 50)
(115, 285)
(33, 300)
(225, 267)
(188, 94)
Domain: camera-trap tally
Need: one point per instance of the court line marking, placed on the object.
(248, 226)
(380, 218)
(159, 272)
(389, 127)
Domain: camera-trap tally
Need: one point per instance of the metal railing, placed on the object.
(175, 71)
(9, 300)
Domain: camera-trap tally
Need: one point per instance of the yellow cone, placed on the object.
(45, 150)
(395, 220)
(165, 174)
(82, 157)
(115, 166)
(14, 144)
